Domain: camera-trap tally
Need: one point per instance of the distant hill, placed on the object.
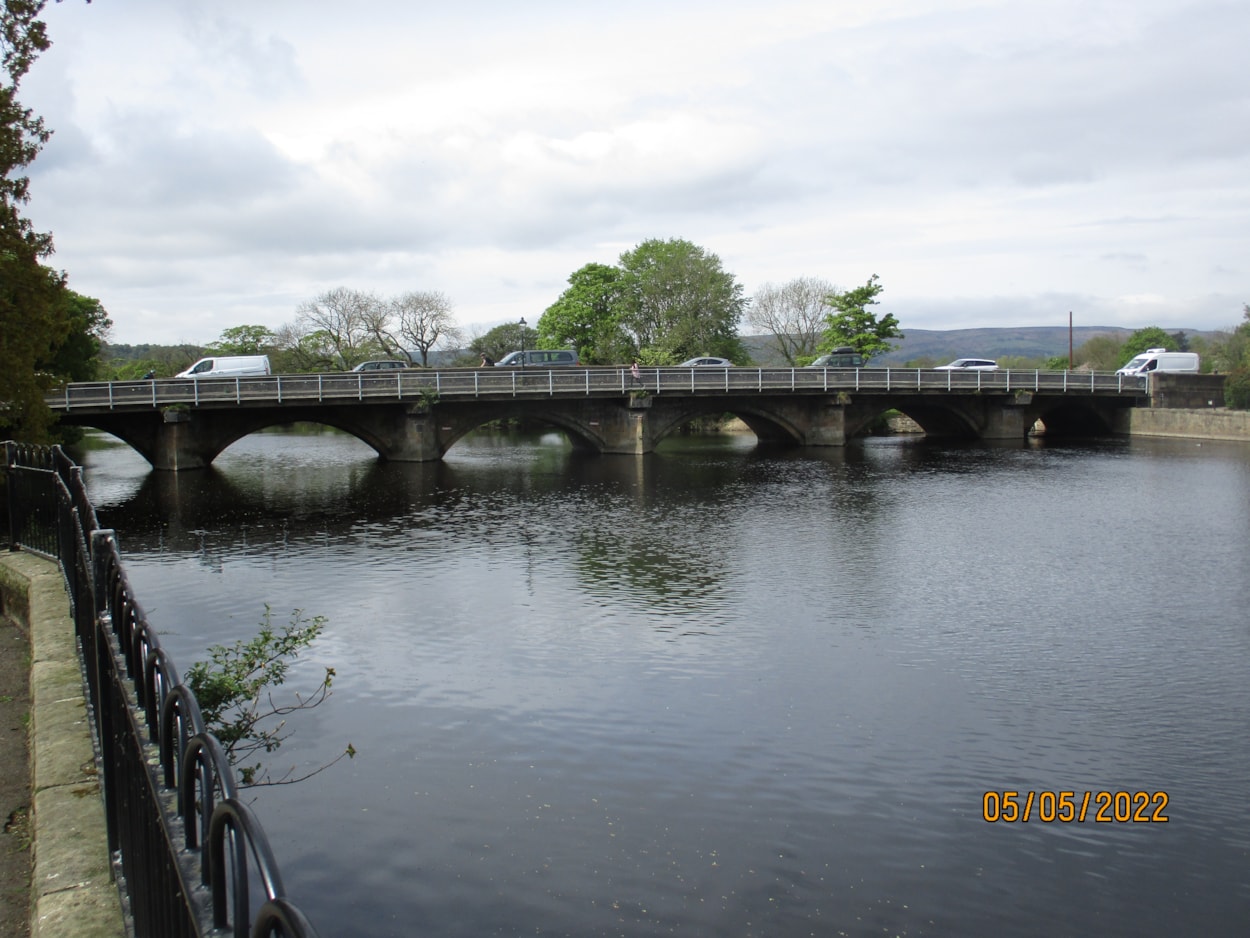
(943, 345)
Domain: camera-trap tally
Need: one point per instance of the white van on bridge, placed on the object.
(1159, 359)
(228, 366)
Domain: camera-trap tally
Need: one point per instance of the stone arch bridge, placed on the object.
(416, 415)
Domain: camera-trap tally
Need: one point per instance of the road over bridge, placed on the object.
(416, 415)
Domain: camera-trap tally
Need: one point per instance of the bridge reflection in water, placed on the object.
(417, 415)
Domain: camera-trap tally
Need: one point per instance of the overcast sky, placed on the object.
(994, 162)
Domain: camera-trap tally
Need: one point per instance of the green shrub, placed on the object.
(1237, 389)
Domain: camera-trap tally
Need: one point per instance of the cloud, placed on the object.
(219, 162)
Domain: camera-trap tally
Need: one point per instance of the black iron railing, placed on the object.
(188, 855)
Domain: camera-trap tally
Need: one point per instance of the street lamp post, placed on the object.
(522, 341)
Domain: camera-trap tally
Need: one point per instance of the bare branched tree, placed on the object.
(342, 317)
(423, 319)
(379, 323)
(793, 314)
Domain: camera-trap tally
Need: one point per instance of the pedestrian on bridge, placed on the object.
(635, 373)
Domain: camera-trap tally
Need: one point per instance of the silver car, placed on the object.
(970, 364)
(706, 362)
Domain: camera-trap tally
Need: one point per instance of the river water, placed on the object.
(721, 690)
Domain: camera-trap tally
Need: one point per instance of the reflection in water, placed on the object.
(728, 690)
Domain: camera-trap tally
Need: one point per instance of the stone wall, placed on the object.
(1186, 391)
(1206, 424)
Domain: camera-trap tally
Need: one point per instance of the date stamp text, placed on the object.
(1067, 807)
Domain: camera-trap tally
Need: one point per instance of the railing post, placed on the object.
(10, 483)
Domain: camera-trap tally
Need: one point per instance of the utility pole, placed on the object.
(1069, 340)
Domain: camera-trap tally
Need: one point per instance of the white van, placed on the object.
(1158, 359)
(228, 366)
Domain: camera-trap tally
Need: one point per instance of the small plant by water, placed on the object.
(235, 689)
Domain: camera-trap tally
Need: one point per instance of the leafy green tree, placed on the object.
(243, 340)
(77, 356)
(676, 302)
(793, 314)
(1231, 354)
(852, 323)
(34, 317)
(1100, 353)
(587, 317)
(1142, 339)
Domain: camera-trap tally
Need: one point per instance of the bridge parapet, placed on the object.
(418, 385)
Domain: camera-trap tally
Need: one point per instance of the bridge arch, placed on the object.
(937, 418)
(456, 422)
(1074, 418)
(768, 424)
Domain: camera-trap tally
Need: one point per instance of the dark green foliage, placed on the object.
(243, 340)
(676, 302)
(32, 320)
(665, 301)
(77, 356)
(851, 323)
(586, 317)
(1237, 389)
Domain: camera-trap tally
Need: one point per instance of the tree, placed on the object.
(343, 323)
(1231, 354)
(851, 323)
(34, 317)
(1100, 353)
(423, 319)
(1142, 339)
(676, 302)
(243, 340)
(793, 314)
(587, 317)
(77, 356)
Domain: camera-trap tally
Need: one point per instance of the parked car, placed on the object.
(706, 362)
(970, 364)
(382, 364)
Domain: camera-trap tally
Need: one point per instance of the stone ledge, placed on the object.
(1217, 423)
(73, 892)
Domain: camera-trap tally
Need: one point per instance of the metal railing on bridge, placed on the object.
(466, 383)
(188, 854)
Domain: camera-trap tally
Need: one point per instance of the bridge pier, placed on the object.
(1004, 421)
(628, 430)
(178, 445)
